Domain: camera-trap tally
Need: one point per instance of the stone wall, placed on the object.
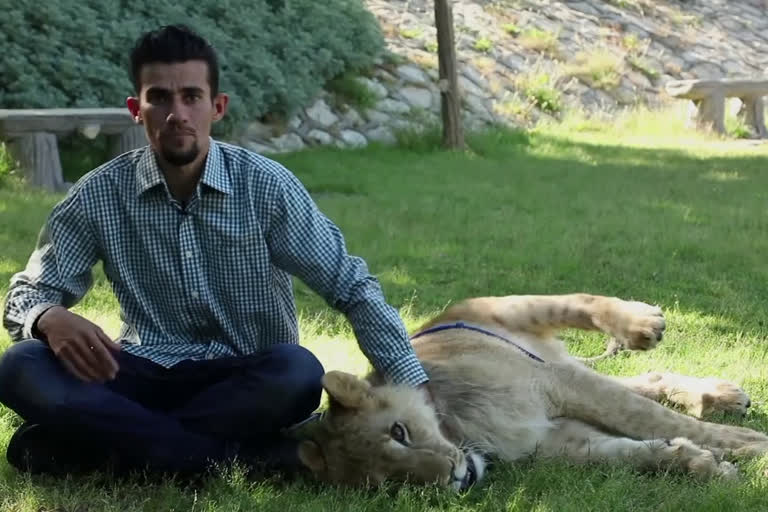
(523, 59)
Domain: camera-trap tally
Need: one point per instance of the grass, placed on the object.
(599, 68)
(539, 87)
(638, 207)
(540, 41)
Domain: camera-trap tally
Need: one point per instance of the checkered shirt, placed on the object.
(210, 278)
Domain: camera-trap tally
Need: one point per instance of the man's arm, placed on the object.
(308, 245)
(56, 278)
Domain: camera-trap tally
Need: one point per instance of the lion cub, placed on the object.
(504, 387)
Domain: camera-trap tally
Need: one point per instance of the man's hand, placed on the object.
(81, 346)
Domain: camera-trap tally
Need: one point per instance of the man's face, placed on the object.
(177, 110)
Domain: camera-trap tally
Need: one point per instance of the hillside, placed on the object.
(523, 59)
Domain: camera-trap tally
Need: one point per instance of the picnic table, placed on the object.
(33, 134)
(709, 96)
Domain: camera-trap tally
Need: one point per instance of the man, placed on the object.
(198, 239)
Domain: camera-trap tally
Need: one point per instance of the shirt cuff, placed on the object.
(32, 316)
(407, 370)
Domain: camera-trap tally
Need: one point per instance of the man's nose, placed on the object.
(177, 113)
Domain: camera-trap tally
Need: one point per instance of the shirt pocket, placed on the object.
(237, 261)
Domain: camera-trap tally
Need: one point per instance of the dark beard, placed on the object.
(179, 158)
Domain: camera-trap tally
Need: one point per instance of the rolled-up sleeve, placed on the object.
(58, 271)
(305, 243)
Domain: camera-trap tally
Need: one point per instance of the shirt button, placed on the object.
(188, 254)
(195, 294)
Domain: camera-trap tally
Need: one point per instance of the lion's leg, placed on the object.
(698, 396)
(635, 325)
(579, 393)
(582, 443)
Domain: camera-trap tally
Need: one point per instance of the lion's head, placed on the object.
(371, 435)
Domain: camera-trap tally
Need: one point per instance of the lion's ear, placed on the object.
(311, 456)
(347, 390)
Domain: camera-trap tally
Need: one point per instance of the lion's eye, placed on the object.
(399, 433)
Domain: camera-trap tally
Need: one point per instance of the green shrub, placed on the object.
(351, 90)
(275, 55)
(7, 165)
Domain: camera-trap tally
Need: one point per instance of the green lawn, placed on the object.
(639, 208)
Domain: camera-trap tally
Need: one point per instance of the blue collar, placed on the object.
(462, 325)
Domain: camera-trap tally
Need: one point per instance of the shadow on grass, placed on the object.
(528, 213)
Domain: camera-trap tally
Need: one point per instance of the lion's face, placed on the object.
(372, 435)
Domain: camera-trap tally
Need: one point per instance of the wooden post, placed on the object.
(132, 138)
(752, 112)
(38, 156)
(450, 101)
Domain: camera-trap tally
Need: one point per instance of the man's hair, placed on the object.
(171, 44)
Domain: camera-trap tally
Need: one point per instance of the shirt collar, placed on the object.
(215, 173)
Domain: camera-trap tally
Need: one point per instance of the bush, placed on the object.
(275, 54)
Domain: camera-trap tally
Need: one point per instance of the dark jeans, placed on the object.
(175, 419)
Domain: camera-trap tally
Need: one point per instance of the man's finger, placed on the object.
(71, 354)
(111, 345)
(85, 347)
(107, 363)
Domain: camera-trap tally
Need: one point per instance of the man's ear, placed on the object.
(133, 107)
(346, 390)
(311, 456)
(220, 104)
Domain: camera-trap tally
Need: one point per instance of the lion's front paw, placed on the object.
(700, 461)
(638, 326)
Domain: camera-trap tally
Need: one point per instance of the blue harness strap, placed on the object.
(462, 325)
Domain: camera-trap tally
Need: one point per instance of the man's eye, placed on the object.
(399, 433)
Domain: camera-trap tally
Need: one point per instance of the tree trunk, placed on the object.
(133, 138)
(450, 101)
(38, 156)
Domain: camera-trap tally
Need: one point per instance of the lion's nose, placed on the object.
(749, 403)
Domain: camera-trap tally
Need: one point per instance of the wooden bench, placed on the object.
(709, 97)
(33, 135)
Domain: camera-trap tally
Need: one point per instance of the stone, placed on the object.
(262, 149)
(319, 137)
(417, 97)
(257, 130)
(706, 70)
(514, 62)
(584, 8)
(375, 87)
(473, 76)
(412, 75)
(351, 117)
(476, 105)
(392, 106)
(469, 87)
(353, 139)
(294, 123)
(374, 116)
(321, 114)
(381, 134)
(288, 142)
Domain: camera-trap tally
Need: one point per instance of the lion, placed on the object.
(503, 387)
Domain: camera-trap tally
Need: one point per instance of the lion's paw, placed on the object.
(638, 326)
(700, 461)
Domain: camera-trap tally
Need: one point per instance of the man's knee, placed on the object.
(24, 368)
(297, 375)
